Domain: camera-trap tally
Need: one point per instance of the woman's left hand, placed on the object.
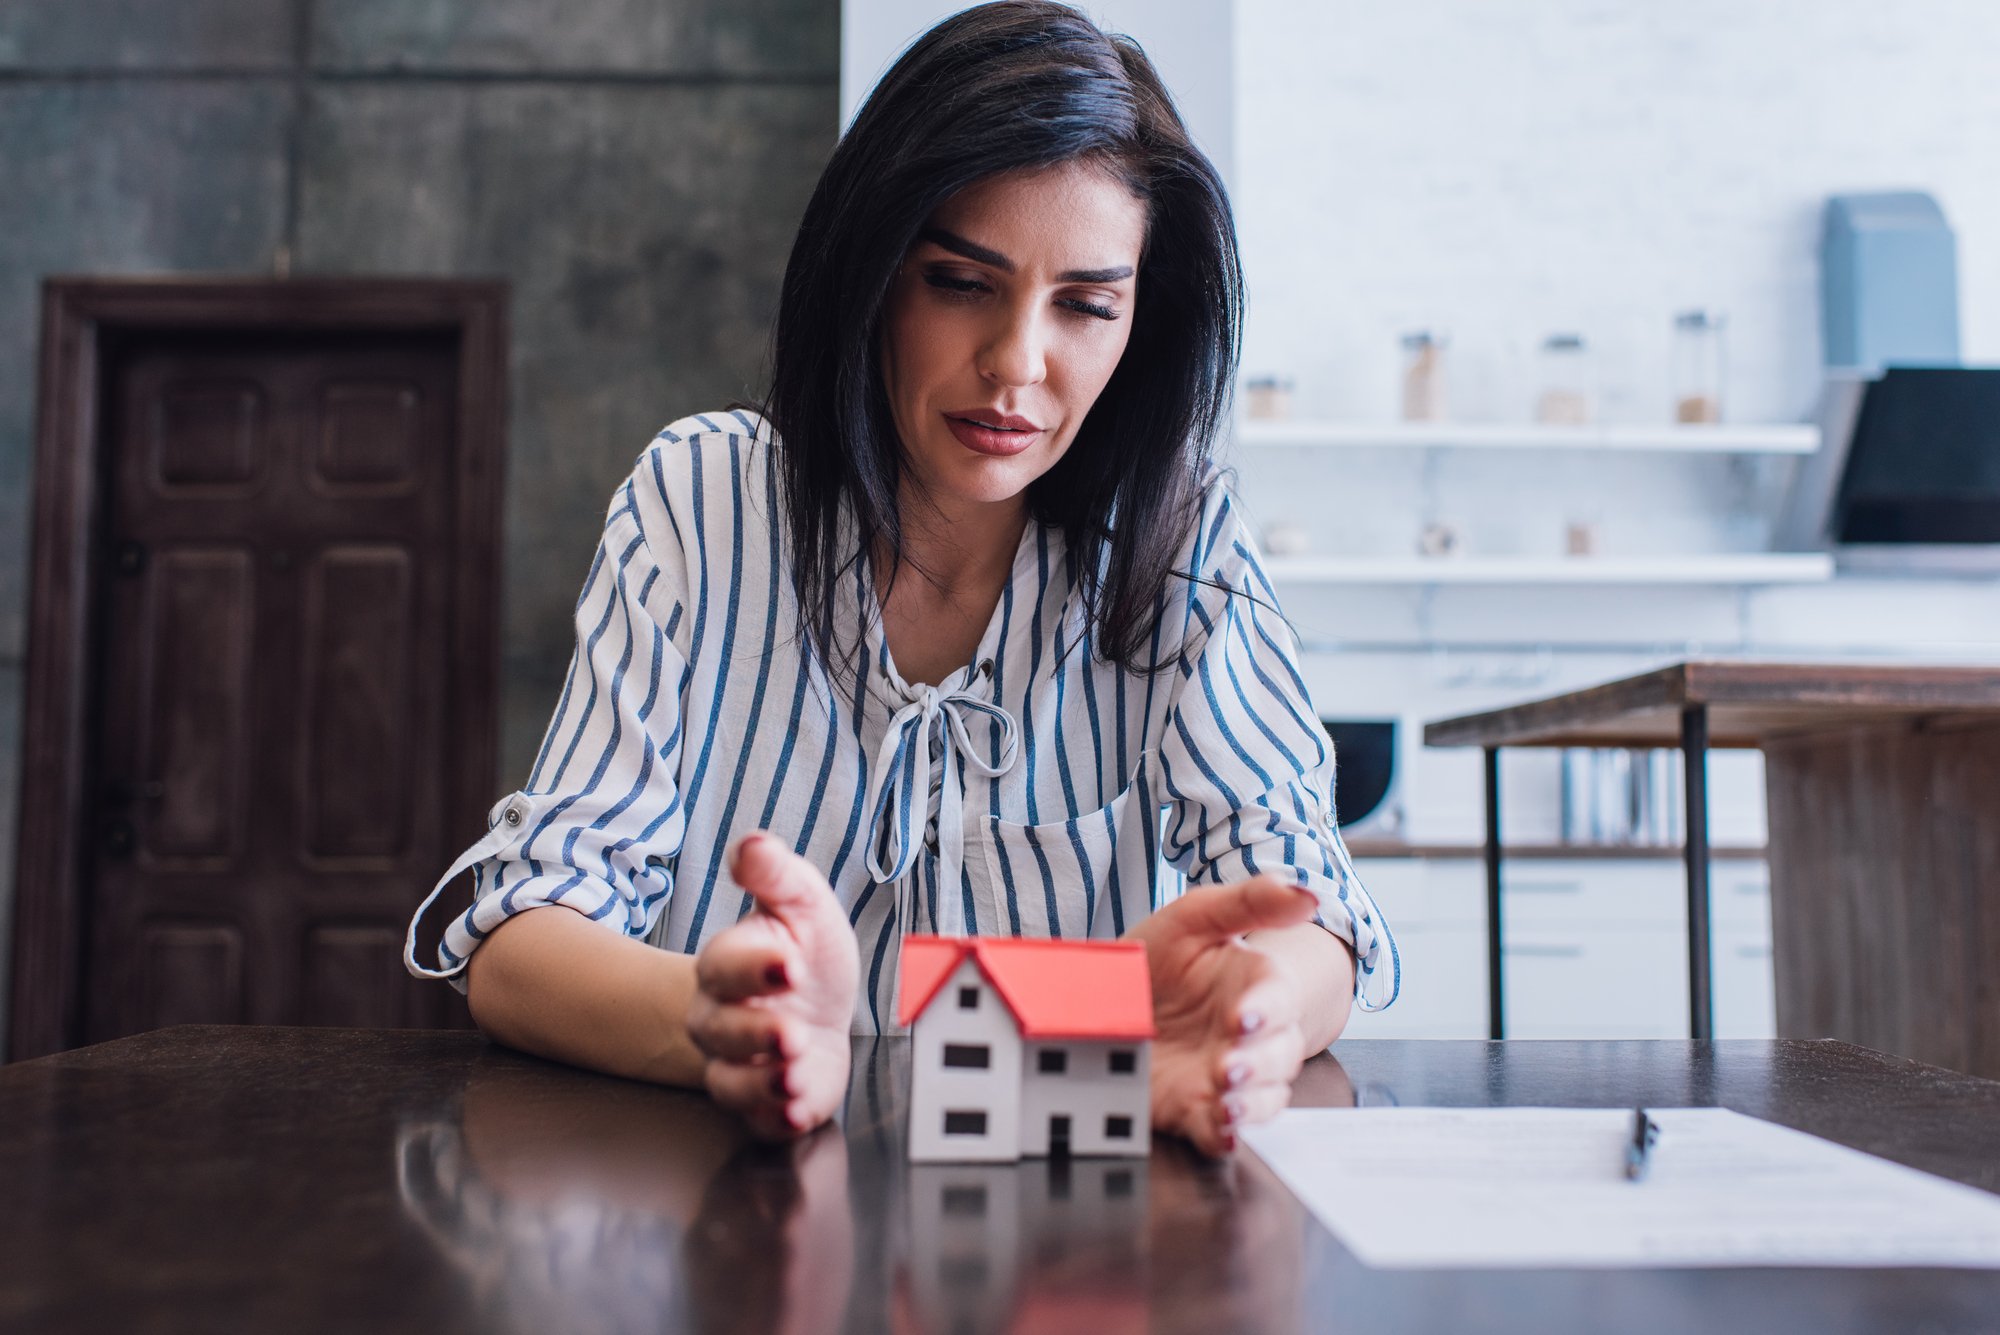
(1228, 1041)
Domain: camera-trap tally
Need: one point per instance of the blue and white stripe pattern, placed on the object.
(1035, 792)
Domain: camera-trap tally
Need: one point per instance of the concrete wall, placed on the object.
(634, 168)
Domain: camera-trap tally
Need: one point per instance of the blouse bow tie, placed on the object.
(900, 802)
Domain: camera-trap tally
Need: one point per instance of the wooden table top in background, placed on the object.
(209, 1178)
(1748, 703)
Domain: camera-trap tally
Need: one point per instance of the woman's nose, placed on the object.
(1016, 354)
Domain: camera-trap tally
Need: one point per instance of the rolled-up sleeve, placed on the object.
(1247, 767)
(600, 823)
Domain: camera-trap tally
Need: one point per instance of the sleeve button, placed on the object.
(513, 816)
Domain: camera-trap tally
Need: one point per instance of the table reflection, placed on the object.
(569, 1201)
(1042, 1244)
(572, 1202)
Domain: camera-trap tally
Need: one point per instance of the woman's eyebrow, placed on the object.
(972, 250)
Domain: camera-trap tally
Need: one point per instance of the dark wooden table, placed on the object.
(299, 1180)
(1883, 788)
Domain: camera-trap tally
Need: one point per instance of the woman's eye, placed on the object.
(1090, 308)
(964, 288)
(956, 285)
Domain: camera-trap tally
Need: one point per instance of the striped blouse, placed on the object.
(1037, 791)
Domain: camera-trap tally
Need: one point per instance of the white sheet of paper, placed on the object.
(1545, 1187)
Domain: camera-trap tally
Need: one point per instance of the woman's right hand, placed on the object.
(774, 999)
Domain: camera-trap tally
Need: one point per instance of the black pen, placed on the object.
(1639, 1154)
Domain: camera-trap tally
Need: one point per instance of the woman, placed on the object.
(933, 640)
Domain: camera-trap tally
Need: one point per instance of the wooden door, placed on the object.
(268, 704)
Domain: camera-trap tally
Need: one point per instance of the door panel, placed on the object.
(271, 701)
(354, 976)
(193, 973)
(370, 437)
(361, 634)
(207, 436)
(196, 647)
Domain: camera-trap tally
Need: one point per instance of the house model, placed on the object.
(1026, 1047)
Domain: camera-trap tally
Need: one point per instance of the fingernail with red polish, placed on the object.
(778, 1084)
(775, 975)
(777, 1046)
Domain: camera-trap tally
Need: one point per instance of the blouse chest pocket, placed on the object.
(1067, 878)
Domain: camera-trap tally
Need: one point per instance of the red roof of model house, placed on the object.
(1056, 989)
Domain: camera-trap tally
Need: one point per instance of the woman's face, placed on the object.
(1014, 303)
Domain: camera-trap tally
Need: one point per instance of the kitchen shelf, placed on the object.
(1788, 438)
(1396, 848)
(1727, 568)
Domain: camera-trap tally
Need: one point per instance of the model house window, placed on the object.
(1124, 1061)
(968, 998)
(1118, 1128)
(966, 1054)
(974, 1124)
(1052, 1061)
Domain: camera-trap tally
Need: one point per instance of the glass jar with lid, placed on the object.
(1423, 376)
(1566, 381)
(1270, 397)
(1698, 366)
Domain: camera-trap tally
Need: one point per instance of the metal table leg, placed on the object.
(1496, 1021)
(1694, 765)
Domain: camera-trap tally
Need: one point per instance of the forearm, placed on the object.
(551, 983)
(1323, 963)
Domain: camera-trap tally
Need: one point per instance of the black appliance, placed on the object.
(1364, 754)
(1907, 476)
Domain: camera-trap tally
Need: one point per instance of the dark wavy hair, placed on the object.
(1019, 84)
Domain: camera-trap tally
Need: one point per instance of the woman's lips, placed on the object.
(986, 440)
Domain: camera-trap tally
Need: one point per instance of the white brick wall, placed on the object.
(1506, 169)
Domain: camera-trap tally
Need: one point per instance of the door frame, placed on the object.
(81, 317)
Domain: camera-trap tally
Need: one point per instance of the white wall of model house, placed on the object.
(980, 1092)
(966, 1012)
(1100, 1086)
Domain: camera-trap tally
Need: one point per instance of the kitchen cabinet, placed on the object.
(1594, 948)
